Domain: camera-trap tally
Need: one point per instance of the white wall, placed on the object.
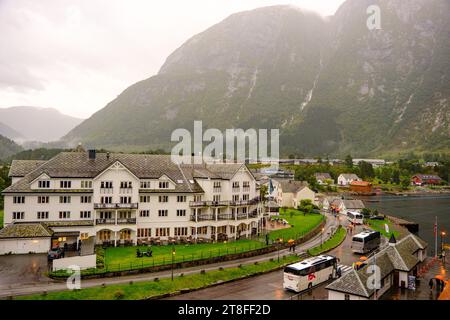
(24, 246)
(84, 262)
(335, 295)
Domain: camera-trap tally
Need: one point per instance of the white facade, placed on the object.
(24, 246)
(117, 206)
(347, 179)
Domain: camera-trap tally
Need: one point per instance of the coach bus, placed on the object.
(355, 217)
(310, 273)
(366, 241)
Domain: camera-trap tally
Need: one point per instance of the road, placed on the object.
(19, 288)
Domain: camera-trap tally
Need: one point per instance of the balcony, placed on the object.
(116, 205)
(209, 203)
(105, 221)
(106, 190)
(242, 216)
(126, 221)
(204, 217)
(225, 216)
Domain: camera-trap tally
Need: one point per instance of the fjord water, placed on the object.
(421, 209)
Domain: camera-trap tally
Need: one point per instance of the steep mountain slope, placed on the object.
(332, 86)
(9, 132)
(8, 147)
(38, 124)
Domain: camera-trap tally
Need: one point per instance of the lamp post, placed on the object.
(280, 241)
(442, 245)
(173, 258)
(321, 237)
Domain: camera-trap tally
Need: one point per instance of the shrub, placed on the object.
(119, 294)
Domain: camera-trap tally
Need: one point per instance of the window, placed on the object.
(126, 185)
(245, 197)
(163, 232)
(197, 198)
(44, 184)
(246, 184)
(64, 199)
(164, 185)
(106, 185)
(18, 199)
(163, 213)
(64, 214)
(216, 198)
(144, 199)
(65, 184)
(181, 213)
(236, 185)
(84, 236)
(145, 185)
(202, 230)
(86, 199)
(85, 214)
(181, 199)
(144, 213)
(144, 233)
(236, 197)
(106, 200)
(125, 200)
(347, 297)
(43, 199)
(42, 215)
(86, 184)
(163, 198)
(217, 184)
(106, 215)
(18, 215)
(182, 231)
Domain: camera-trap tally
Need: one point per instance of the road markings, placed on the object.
(344, 269)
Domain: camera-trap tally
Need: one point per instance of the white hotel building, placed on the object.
(124, 199)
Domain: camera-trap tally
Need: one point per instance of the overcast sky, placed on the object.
(78, 55)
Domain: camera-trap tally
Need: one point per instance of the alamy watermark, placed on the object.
(251, 146)
(74, 280)
(374, 20)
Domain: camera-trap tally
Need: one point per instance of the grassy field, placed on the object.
(379, 225)
(124, 258)
(142, 290)
(330, 244)
(1, 218)
(301, 224)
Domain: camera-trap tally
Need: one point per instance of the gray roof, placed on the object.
(20, 168)
(323, 176)
(78, 165)
(353, 204)
(25, 230)
(350, 176)
(292, 186)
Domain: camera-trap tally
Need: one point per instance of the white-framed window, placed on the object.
(181, 199)
(64, 214)
(216, 198)
(180, 231)
(235, 184)
(163, 213)
(236, 197)
(86, 199)
(164, 185)
(65, 184)
(42, 215)
(85, 214)
(43, 199)
(144, 232)
(86, 184)
(18, 199)
(106, 185)
(217, 185)
(44, 184)
(145, 185)
(202, 230)
(144, 199)
(18, 215)
(126, 185)
(84, 235)
(125, 200)
(64, 199)
(163, 232)
(245, 197)
(144, 213)
(106, 200)
(163, 198)
(181, 213)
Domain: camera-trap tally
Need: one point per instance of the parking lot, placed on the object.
(23, 269)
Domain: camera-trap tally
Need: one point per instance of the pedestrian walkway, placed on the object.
(344, 268)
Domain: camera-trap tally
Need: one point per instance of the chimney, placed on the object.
(92, 154)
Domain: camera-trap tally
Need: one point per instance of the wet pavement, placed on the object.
(24, 269)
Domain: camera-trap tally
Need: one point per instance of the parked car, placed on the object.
(55, 253)
(377, 218)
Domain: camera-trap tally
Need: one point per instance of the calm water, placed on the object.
(420, 209)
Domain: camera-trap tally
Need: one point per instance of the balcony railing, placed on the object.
(204, 217)
(242, 216)
(105, 221)
(116, 205)
(226, 216)
(126, 221)
(106, 190)
(209, 203)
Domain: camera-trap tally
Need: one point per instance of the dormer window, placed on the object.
(164, 185)
(65, 184)
(44, 184)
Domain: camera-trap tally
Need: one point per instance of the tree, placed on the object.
(366, 170)
(366, 212)
(349, 161)
(405, 182)
(396, 176)
(263, 192)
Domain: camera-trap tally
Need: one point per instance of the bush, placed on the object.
(119, 294)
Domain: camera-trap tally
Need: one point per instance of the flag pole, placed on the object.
(435, 237)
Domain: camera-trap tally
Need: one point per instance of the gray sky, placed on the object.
(78, 55)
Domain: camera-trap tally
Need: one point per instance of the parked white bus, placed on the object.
(366, 241)
(310, 273)
(355, 217)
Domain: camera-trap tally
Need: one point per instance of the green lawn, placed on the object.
(330, 244)
(379, 225)
(142, 290)
(124, 258)
(1, 218)
(300, 224)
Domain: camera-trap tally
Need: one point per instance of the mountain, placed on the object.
(9, 132)
(8, 147)
(331, 85)
(37, 124)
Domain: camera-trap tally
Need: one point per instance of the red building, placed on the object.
(361, 187)
(426, 179)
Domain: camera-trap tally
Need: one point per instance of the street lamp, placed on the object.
(321, 237)
(442, 245)
(173, 258)
(280, 241)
